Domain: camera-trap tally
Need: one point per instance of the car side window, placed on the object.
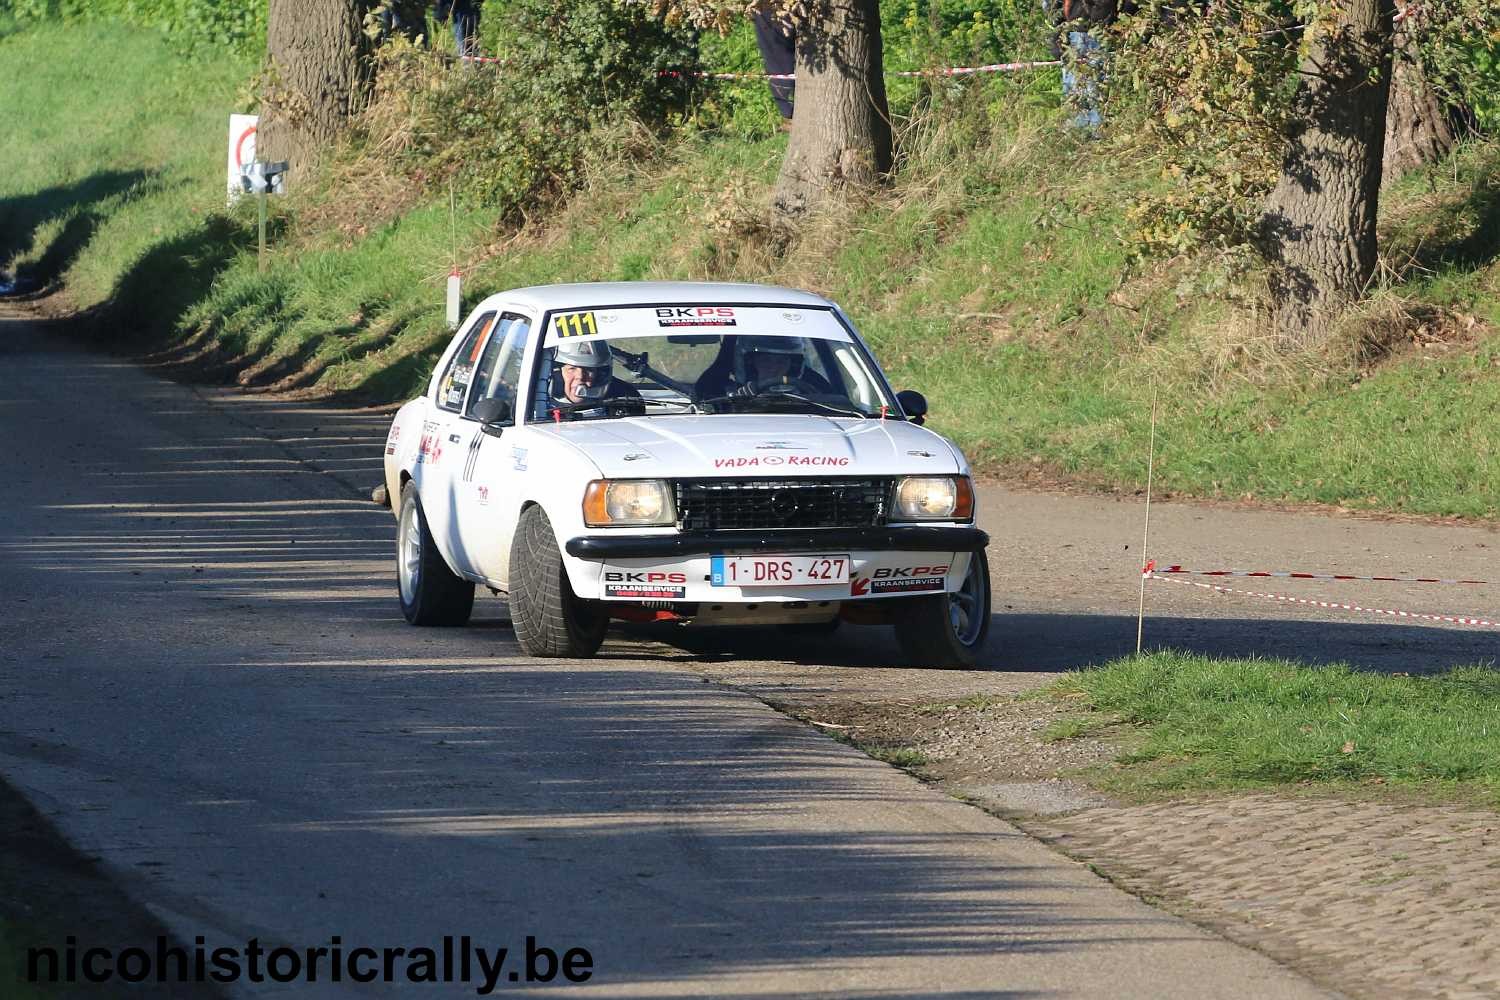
(456, 380)
(499, 373)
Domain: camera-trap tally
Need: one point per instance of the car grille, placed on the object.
(745, 504)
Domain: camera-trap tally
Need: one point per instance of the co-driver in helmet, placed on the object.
(583, 371)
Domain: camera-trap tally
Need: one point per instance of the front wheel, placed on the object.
(431, 593)
(948, 630)
(548, 618)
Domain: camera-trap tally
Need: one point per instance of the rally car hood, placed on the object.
(757, 445)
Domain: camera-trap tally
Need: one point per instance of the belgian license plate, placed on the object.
(779, 571)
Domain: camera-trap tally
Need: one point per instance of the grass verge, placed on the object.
(1205, 724)
(114, 187)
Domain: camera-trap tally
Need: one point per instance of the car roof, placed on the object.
(594, 295)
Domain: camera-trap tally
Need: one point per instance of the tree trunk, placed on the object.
(1419, 128)
(319, 76)
(841, 127)
(1318, 230)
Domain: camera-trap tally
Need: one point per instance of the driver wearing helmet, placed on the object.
(583, 371)
(764, 364)
(753, 363)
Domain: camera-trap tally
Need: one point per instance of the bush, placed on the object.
(1208, 93)
(590, 59)
(922, 34)
(517, 132)
(1460, 47)
(916, 34)
(192, 24)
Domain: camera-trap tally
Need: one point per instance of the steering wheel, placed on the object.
(779, 384)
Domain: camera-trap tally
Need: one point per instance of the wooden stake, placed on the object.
(1140, 614)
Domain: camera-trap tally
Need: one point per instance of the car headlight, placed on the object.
(934, 498)
(638, 503)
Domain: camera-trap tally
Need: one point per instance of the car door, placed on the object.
(439, 467)
(488, 492)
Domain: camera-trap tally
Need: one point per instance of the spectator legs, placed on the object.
(466, 32)
(778, 50)
(1084, 90)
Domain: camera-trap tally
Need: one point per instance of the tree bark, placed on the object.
(1419, 127)
(841, 126)
(1318, 230)
(319, 76)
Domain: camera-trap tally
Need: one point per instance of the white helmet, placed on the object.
(746, 349)
(594, 354)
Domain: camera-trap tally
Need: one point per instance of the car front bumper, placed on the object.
(905, 538)
(884, 562)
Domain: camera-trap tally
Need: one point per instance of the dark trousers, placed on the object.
(465, 17)
(778, 50)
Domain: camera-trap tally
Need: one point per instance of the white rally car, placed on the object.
(709, 454)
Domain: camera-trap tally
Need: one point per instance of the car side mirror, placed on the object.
(915, 405)
(494, 413)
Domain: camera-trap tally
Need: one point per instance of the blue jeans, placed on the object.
(1084, 92)
(466, 32)
(465, 17)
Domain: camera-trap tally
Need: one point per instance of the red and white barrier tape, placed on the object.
(945, 71)
(1291, 575)
(1334, 605)
(1010, 67)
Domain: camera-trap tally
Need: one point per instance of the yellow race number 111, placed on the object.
(576, 325)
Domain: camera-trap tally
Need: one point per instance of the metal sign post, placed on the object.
(264, 179)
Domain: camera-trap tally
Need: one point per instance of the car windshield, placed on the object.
(705, 359)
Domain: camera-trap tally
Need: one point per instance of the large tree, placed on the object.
(841, 127)
(1318, 228)
(318, 76)
(1420, 125)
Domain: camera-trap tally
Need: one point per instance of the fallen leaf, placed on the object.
(1347, 747)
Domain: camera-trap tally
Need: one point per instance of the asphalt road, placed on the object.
(205, 681)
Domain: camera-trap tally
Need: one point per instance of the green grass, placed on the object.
(1206, 724)
(902, 757)
(115, 165)
(990, 276)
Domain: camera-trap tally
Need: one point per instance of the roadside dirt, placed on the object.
(1372, 898)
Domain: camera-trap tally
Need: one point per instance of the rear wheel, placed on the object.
(948, 630)
(431, 593)
(548, 618)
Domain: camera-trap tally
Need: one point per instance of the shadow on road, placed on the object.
(1056, 642)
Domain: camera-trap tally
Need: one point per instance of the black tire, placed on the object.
(948, 630)
(549, 620)
(430, 592)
